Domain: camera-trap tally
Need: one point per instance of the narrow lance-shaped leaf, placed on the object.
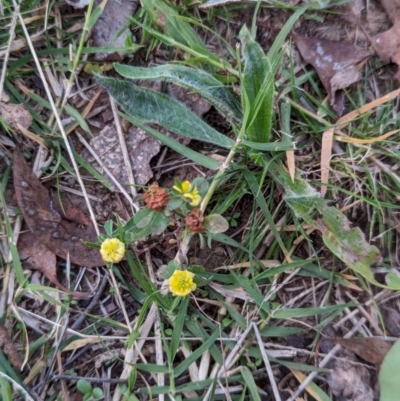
(154, 107)
(346, 242)
(256, 70)
(388, 379)
(197, 81)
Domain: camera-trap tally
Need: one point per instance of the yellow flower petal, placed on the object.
(112, 250)
(181, 283)
(186, 186)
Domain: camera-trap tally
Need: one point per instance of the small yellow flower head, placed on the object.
(181, 283)
(112, 250)
(189, 192)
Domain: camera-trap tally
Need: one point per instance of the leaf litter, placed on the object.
(387, 44)
(52, 231)
(14, 114)
(338, 65)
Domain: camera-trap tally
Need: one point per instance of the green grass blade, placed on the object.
(16, 261)
(278, 42)
(173, 25)
(250, 383)
(181, 368)
(178, 328)
(304, 312)
(253, 185)
(270, 146)
(280, 269)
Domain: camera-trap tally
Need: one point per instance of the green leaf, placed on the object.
(280, 332)
(257, 69)
(6, 390)
(346, 242)
(259, 197)
(84, 386)
(250, 383)
(159, 223)
(178, 328)
(225, 239)
(195, 80)
(278, 42)
(96, 14)
(197, 157)
(108, 227)
(136, 235)
(169, 269)
(97, 393)
(182, 367)
(174, 26)
(202, 185)
(304, 312)
(143, 217)
(154, 107)
(272, 271)
(174, 204)
(152, 368)
(215, 223)
(270, 146)
(388, 376)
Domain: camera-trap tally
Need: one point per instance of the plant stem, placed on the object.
(219, 175)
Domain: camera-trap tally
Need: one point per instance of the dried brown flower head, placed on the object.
(195, 220)
(156, 198)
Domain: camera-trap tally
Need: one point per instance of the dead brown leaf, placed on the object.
(141, 146)
(9, 348)
(291, 163)
(338, 65)
(109, 29)
(36, 256)
(14, 114)
(349, 381)
(371, 349)
(55, 231)
(387, 44)
(326, 154)
(391, 318)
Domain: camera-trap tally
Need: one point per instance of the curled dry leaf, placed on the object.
(370, 349)
(348, 380)
(58, 233)
(9, 348)
(338, 65)
(36, 256)
(387, 44)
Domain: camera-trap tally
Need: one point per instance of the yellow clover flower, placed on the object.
(189, 192)
(112, 250)
(181, 283)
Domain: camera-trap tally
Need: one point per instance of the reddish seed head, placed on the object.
(195, 220)
(156, 198)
